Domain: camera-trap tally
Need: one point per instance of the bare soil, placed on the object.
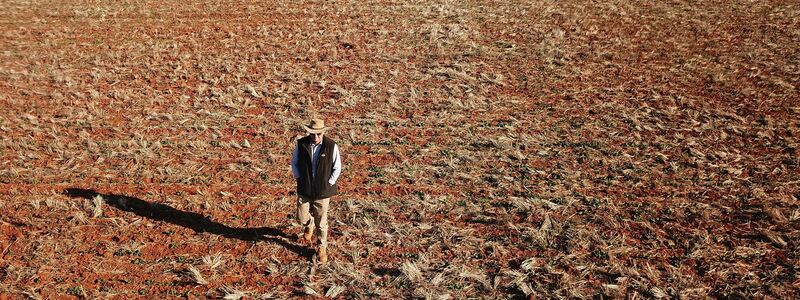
(543, 149)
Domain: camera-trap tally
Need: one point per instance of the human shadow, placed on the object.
(191, 220)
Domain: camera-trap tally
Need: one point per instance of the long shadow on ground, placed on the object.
(194, 221)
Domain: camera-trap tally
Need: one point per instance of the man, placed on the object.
(316, 165)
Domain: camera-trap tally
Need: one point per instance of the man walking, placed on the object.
(316, 165)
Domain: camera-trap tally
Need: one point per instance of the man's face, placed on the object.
(316, 138)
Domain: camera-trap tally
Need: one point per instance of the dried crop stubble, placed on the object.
(553, 148)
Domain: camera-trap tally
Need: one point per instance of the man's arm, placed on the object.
(295, 169)
(337, 165)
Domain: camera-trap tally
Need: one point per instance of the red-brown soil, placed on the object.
(544, 149)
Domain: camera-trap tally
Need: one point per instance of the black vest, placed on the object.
(317, 187)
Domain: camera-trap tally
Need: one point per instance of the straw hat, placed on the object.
(316, 126)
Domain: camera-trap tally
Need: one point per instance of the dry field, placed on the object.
(492, 149)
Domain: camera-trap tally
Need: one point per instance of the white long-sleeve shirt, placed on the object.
(337, 162)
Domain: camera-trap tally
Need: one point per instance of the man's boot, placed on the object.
(306, 236)
(322, 254)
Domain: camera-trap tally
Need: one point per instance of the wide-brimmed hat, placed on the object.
(316, 126)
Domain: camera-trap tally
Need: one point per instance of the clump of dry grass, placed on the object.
(35, 203)
(334, 291)
(213, 261)
(79, 218)
(195, 276)
(309, 290)
(97, 210)
(411, 272)
(229, 293)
